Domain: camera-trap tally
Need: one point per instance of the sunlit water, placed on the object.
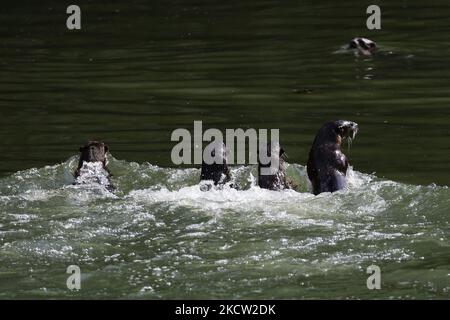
(139, 69)
(159, 236)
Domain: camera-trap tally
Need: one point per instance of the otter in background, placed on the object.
(93, 152)
(363, 46)
(278, 180)
(327, 165)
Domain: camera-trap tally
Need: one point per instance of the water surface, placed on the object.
(160, 236)
(138, 70)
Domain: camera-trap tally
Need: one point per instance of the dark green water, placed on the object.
(139, 69)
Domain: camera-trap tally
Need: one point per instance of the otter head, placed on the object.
(363, 46)
(346, 130)
(93, 151)
(332, 133)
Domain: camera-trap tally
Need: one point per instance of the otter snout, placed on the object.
(354, 131)
(346, 129)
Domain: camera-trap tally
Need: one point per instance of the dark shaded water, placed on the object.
(136, 71)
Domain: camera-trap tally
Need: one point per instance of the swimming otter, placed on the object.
(363, 46)
(218, 171)
(93, 152)
(276, 181)
(327, 165)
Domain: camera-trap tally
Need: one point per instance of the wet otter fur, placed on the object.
(363, 46)
(93, 152)
(327, 165)
(277, 181)
(218, 172)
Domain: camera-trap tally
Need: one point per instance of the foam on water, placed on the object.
(158, 230)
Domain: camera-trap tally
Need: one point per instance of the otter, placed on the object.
(278, 180)
(93, 152)
(217, 171)
(363, 46)
(327, 165)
